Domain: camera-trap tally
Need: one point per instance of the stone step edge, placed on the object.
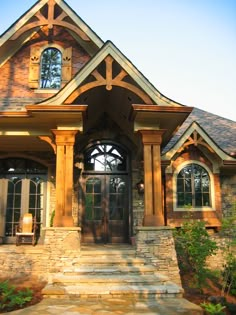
(111, 261)
(77, 290)
(61, 278)
(109, 269)
(98, 253)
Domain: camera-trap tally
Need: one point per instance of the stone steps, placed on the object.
(112, 274)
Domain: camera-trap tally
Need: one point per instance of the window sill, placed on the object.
(47, 91)
(203, 209)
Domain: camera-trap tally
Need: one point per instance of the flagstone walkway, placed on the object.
(123, 306)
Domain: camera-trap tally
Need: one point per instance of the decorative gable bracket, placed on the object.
(108, 81)
(195, 139)
(53, 15)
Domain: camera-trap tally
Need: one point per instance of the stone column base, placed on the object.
(66, 238)
(157, 244)
(63, 247)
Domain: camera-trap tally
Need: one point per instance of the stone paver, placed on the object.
(120, 306)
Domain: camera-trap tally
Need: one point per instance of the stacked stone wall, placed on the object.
(20, 261)
(61, 249)
(157, 245)
(228, 193)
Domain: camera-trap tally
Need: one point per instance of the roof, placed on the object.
(221, 130)
(109, 49)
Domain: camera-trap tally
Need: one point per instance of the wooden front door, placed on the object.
(106, 212)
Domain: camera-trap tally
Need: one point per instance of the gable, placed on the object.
(196, 136)
(110, 53)
(47, 13)
(220, 130)
(106, 81)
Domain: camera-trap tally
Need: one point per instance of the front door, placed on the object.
(106, 212)
(105, 191)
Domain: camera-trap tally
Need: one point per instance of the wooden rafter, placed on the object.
(195, 139)
(108, 81)
(50, 21)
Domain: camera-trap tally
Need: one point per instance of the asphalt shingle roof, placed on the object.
(221, 130)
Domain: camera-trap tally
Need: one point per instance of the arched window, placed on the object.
(193, 187)
(105, 158)
(51, 69)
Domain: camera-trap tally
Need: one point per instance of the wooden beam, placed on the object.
(51, 5)
(49, 141)
(109, 60)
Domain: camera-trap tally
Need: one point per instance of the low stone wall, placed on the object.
(61, 249)
(23, 261)
(157, 245)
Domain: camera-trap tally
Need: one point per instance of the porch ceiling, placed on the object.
(21, 143)
(20, 131)
(159, 117)
(116, 104)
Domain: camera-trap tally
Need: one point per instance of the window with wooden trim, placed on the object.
(50, 67)
(193, 187)
(22, 190)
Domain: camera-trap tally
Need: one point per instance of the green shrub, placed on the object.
(10, 297)
(229, 250)
(193, 246)
(213, 309)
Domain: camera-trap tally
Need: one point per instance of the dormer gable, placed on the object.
(44, 15)
(197, 137)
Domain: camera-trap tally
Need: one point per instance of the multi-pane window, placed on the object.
(105, 158)
(51, 69)
(193, 187)
(22, 184)
(93, 199)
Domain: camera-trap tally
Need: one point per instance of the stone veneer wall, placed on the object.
(138, 200)
(228, 193)
(216, 262)
(62, 246)
(61, 249)
(157, 245)
(20, 262)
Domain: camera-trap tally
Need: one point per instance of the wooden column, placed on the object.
(154, 215)
(64, 140)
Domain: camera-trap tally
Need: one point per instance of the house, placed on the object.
(88, 143)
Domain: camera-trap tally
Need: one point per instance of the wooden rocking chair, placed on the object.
(26, 230)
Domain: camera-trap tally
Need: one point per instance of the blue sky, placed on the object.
(186, 48)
